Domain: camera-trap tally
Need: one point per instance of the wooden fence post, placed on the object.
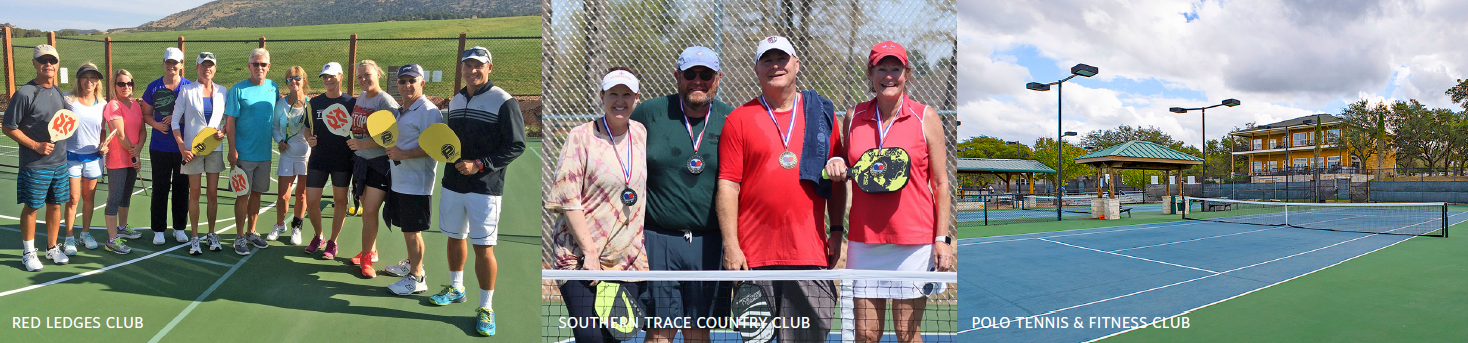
(351, 66)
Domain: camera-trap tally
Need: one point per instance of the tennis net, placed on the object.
(797, 302)
(1417, 219)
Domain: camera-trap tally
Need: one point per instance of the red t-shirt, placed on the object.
(781, 219)
(901, 217)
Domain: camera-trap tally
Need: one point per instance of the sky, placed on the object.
(1281, 59)
(90, 14)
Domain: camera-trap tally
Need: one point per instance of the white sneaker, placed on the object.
(157, 238)
(194, 247)
(213, 240)
(409, 285)
(69, 246)
(88, 241)
(400, 269)
(30, 261)
(179, 236)
(296, 236)
(56, 255)
(275, 233)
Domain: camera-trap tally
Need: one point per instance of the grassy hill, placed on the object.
(281, 13)
(517, 61)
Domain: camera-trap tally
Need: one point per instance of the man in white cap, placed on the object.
(681, 230)
(780, 141)
(469, 208)
(409, 202)
(247, 125)
(167, 162)
(43, 178)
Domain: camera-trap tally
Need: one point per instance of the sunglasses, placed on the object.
(48, 60)
(124, 84)
(706, 74)
(259, 65)
(474, 53)
(407, 81)
(293, 79)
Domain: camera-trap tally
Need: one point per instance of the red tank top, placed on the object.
(905, 216)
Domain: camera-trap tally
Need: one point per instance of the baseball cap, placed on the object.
(619, 77)
(173, 54)
(413, 70)
(477, 53)
(885, 49)
(774, 42)
(87, 68)
(698, 56)
(45, 49)
(205, 56)
(331, 68)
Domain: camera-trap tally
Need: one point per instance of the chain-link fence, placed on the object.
(584, 38)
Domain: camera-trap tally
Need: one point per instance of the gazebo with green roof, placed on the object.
(1005, 169)
(1141, 155)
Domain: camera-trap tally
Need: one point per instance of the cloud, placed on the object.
(1283, 59)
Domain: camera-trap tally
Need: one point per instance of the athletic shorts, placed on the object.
(814, 299)
(258, 173)
(291, 168)
(37, 187)
(90, 170)
(316, 178)
(365, 175)
(407, 211)
(212, 163)
(471, 216)
(671, 250)
(900, 257)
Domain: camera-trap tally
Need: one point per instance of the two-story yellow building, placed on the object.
(1290, 147)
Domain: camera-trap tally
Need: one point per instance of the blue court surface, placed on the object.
(1070, 212)
(1036, 287)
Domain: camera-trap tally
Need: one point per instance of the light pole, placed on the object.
(1078, 70)
(1204, 133)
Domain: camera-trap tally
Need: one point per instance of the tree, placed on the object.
(1045, 153)
(1459, 93)
(993, 147)
(1365, 130)
(1422, 134)
(1101, 139)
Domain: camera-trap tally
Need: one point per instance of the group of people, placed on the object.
(687, 182)
(253, 121)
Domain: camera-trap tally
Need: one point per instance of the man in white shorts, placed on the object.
(469, 208)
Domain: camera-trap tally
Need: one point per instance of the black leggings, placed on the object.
(166, 179)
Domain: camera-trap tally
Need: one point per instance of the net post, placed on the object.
(1287, 215)
(1445, 220)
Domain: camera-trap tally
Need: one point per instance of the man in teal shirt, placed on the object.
(682, 231)
(247, 124)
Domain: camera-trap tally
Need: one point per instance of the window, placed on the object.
(1301, 139)
(1300, 162)
(1258, 143)
(1332, 135)
(1258, 167)
(1333, 161)
(1318, 162)
(1274, 143)
(1273, 166)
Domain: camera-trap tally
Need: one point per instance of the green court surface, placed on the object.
(278, 294)
(1410, 292)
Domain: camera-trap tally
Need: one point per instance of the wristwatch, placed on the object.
(943, 239)
(837, 228)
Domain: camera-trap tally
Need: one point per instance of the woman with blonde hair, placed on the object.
(370, 169)
(124, 118)
(84, 152)
(200, 104)
(290, 131)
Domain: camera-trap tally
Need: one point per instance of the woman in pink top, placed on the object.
(905, 230)
(124, 118)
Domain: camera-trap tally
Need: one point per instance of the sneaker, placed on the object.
(448, 295)
(358, 259)
(213, 240)
(368, 271)
(180, 236)
(194, 247)
(157, 238)
(485, 325)
(296, 235)
(410, 284)
(400, 269)
(69, 246)
(330, 251)
(315, 246)
(118, 245)
(275, 233)
(88, 241)
(57, 255)
(240, 247)
(30, 261)
(128, 232)
(255, 240)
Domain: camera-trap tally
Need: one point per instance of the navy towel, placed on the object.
(819, 114)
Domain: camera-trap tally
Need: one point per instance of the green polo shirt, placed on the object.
(678, 199)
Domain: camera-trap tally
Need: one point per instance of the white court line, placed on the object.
(201, 297)
(1098, 231)
(1195, 239)
(1225, 272)
(1130, 256)
(124, 263)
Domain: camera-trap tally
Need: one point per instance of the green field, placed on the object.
(517, 61)
(278, 294)
(1410, 292)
